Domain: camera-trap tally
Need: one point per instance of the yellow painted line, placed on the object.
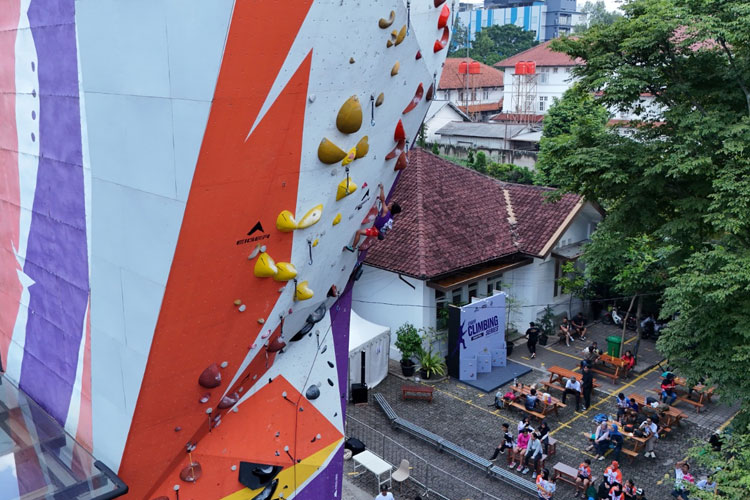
(631, 339)
(726, 424)
(564, 353)
(524, 357)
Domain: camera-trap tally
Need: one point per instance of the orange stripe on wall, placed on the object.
(236, 184)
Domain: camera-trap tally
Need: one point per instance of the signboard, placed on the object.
(479, 332)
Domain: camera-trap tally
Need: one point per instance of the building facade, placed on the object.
(478, 93)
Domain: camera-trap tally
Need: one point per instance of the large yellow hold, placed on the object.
(303, 291)
(349, 119)
(285, 222)
(286, 272)
(311, 217)
(265, 267)
(329, 153)
(346, 187)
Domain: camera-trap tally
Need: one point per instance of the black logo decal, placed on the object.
(256, 227)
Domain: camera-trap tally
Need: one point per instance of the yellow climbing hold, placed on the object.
(385, 23)
(337, 219)
(329, 153)
(346, 187)
(401, 35)
(311, 217)
(265, 267)
(238, 302)
(363, 147)
(379, 100)
(349, 119)
(395, 68)
(285, 272)
(303, 291)
(315, 243)
(285, 222)
(389, 44)
(350, 157)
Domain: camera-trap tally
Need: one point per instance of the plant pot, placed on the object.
(424, 375)
(543, 340)
(509, 348)
(407, 368)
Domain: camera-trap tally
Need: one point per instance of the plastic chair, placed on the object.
(402, 473)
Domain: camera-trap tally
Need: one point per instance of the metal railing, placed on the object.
(433, 481)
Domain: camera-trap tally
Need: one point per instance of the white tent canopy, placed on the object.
(374, 340)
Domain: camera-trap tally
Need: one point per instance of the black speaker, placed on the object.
(359, 393)
(355, 445)
(254, 475)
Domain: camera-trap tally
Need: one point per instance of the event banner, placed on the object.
(478, 341)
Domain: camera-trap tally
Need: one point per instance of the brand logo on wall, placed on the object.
(256, 228)
(483, 327)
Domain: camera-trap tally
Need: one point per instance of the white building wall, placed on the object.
(552, 82)
(441, 118)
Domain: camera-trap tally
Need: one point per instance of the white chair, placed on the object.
(402, 473)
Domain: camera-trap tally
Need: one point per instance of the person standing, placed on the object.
(384, 493)
(587, 383)
(533, 335)
(573, 386)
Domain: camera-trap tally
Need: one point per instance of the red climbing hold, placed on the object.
(441, 44)
(438, 3)
(399, 134)
(443, 19)
(401, 163)
(415, 100)
(333, 291)
(229, 401)
(191, 473)
(211, 377)
(430, 93)
(419, 55)
(397, 150)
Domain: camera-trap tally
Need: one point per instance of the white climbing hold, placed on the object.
(254, 253)
(209, 410)
(224, 364)
(311, 98)
(242, 308)
(263, 248)
(234, 467)
(235, 409)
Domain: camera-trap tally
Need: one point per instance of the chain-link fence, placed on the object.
(432, 481)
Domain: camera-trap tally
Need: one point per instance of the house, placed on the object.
(462, 235)
(479, 93)
(501, 142)
(546, 18)
(439, 114)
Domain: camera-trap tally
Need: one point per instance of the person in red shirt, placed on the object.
(613, 474)
(629, 490)
(584, 477)
(667, 390)
(615, 493)
(629, 360)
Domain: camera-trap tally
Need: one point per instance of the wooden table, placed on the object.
(704, 393)
(637, 442)
(374, 464)
(547, 407)
(416, 392)
(618, 367)
(557, 374)
(671, 417)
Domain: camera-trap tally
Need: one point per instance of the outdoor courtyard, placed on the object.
(466, 416)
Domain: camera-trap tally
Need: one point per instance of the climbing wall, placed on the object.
(186, 313)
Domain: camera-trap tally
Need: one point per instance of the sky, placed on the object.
(611, 4)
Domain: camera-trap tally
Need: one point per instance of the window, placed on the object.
(494, 284)
(485, 94)
(558, 274)
(472, 290)
(567, 70)
(441, 310)
(457, 296)
(554, 70)
(447, 95)
(460, 95)
(543, 77)
(542, 103)
(473, 95)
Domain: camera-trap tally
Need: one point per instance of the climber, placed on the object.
(383, 222)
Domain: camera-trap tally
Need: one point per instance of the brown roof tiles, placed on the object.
(452, 79)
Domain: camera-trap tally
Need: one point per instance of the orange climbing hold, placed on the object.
(415, 100)
(397, 150)
(438, 3)
(401, 163)
(441, 44)
(443, 19)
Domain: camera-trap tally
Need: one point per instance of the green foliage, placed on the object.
(510, 39)
(597, 14)
(730, 467)
(547, 322)
(509, 172)
(484, 49)
(408, 341)
(459, 39)
(432, 363)
(470, 158)
(492, 44)
(676, 187)
(435, 148)
(480, 162)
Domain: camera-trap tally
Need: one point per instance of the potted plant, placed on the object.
(431, 364)
(409, 343)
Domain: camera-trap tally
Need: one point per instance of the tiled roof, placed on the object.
(490, 106)
(454, 218)
(542, 55)
(516, 117)
(480, 129)
(452, 79)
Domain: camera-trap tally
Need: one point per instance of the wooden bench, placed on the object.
(551, 445)
(630, 453)
(568, 474)
(416, 392)
(617, 365)
(522, 407)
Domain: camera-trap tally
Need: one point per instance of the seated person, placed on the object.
(623, 404)
(591, 354)
(543, 432)
(584, 476)
(579, 326)
(682, 477)
(565, 331)
(531, 400)
(616, 492)
(616, 440)
(533, 454)
(601, 440)
(506, 444)
(520, 449)
(629, 360)
(668, 394)
(629, 490)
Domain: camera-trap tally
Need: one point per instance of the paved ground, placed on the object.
(461, 414)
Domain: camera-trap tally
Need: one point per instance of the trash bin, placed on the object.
(613, 346)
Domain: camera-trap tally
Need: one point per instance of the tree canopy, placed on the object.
(492, 44)
(675, 182)
(597, 13)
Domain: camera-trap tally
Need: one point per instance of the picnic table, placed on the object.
(671, 417)
(703, 392)
(636, 443)
(547, 407)
(616, 364)
(557, 374)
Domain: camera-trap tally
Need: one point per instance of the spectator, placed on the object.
(533, 335)
(668, 394)
(587, 383)
(629, 490)
(707, 484)
(629, 360)
(533, 452)
(613, 474)
(651, 432)
(579, 325)
(573, 386)
(384, 493)
(523, 424)
(682, 476)
(565, 329)
(545, 486)
(591, 354)
(715, 442)
(544, 436)
(639, 495)
(583, 480)
(506, 444)
(623, 404)
(616, 493)
(601, 440)
(616, 439)
(520, 449)
(531, 400)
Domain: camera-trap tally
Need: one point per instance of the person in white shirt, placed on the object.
(384, 493)
(650, 431)
(573, 386)
(544, 486)
(682, 477)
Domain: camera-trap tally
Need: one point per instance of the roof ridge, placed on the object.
(421, 253)
(539, 45)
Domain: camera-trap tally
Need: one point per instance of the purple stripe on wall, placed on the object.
(56, 258)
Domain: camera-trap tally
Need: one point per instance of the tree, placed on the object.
(510, 39)
(459, 40)
(597, 14)
(676, 187)
(484, 49)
